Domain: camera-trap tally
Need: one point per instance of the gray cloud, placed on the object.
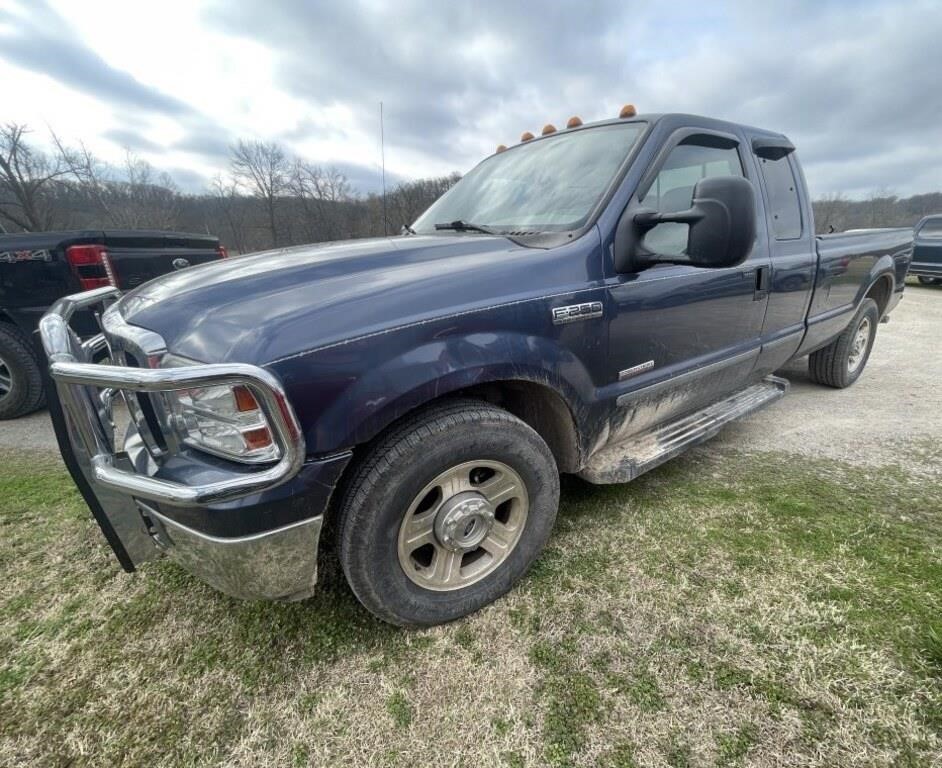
(366, 179)
(132, 140)
(188, 180)
(209, 143)
(43, 43)
(852, 84)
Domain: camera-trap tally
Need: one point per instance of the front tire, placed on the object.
(446, 512)
(841, 362)
(21, 386)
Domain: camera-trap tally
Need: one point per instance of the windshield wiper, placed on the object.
(464, 226)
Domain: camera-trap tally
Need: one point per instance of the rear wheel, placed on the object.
(841, 362)
(446, 513)
(21, 387)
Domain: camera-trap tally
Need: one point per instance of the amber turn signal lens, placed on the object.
(244, 399)
(257, 438)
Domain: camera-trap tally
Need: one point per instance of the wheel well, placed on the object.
(880, 292)
(537, 405)
(542, 408)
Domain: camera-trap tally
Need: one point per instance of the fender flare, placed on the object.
(883, 269)
(439, 367)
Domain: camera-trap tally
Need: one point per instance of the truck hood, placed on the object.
(270, 305)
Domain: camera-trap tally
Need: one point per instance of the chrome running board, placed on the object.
(625, 460)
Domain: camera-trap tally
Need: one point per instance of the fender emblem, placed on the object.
(573, 312)
(180, 263)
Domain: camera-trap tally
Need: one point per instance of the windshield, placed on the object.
(549, 185)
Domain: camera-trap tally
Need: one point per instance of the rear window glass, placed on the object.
(784, 205)
(932, 229)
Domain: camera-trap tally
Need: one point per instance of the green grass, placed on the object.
(722, 610)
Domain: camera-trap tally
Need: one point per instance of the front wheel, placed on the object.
(841, 362)
(446, 513)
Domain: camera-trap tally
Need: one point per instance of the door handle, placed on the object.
(762, 283)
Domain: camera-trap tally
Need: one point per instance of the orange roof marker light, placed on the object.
(628, 111)
(526, 136)
(574, 122)
(548, 129)
(501, 148)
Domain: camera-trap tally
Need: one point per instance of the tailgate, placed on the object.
(137, 257)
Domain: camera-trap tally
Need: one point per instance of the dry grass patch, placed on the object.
(736, 610)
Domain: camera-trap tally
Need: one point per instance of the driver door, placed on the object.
(682, 337)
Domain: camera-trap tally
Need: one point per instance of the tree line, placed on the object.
(268, 198)
(265, 198)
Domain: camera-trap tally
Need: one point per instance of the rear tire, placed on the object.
(21, 386)
(446, 512)
(841, 362)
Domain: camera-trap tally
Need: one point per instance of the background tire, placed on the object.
(21, 386)
(841, 362)
(930, 280)
(399, 468)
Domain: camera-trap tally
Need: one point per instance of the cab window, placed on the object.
(673, 187)
(784, 205)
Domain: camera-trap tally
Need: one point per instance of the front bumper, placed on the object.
(251, 532)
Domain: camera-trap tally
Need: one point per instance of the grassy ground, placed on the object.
(722, 610)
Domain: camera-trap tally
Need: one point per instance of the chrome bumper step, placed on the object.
(625, 460)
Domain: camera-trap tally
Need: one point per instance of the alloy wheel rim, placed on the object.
(6, 379)
(858, 346)
(463, 525)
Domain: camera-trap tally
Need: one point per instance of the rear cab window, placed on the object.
(931, 229)
(782, 191)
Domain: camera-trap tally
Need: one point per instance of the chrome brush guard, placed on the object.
(81, 407)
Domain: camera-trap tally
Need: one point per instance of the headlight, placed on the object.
(223, 420)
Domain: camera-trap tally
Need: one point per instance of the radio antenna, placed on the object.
(382, 150)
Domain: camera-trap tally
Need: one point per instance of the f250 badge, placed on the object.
(12, 257)
(573, 312)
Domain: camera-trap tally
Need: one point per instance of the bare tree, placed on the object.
(828, 212)
(411, 198)
(882, 206)
(262, 168)
(319, 194)
(135, 197)
(144, 199)
(28, 180)
(227, 202)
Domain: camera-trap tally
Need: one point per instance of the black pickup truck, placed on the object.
(37, 268)
(592, 301)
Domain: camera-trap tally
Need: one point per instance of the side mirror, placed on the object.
(722, 221)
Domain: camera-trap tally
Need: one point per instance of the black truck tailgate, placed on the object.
(139, 256)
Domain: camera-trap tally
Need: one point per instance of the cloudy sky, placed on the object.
(856, 85)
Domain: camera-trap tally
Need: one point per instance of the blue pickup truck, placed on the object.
(927, 251)
(590, 301)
